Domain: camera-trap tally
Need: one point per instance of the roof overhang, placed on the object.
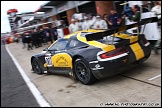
(31, 20)
(49, 5)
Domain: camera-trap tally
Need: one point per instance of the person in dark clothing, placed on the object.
(136, 16)
(23, 40)
(35, 38)
(45, 35)
(28, 41)
(114, 19)
(48, 35)
(54, 32)
(39, 38)
(42, 34)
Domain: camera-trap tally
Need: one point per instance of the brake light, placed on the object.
(113, 53)
(144, 40)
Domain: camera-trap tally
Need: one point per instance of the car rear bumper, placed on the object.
(102, 69)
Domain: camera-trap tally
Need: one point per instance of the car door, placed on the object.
(57, 59)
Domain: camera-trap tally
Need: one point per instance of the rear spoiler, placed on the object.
(100, 35)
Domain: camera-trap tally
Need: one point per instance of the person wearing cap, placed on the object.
(92, 20)
(86, 24)
(80, 23)
(73, 27)
(100, 23)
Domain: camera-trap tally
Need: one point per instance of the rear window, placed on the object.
(104, 40)
(110, 39)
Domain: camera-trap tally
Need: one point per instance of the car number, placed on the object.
(48, 61)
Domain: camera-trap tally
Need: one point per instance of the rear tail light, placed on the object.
(113, 53)
(145, 42)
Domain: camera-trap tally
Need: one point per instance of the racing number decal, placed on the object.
(48, 61)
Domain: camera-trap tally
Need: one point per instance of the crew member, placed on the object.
(100, 23)
(86, 24)
(114, 19)
(73, 27)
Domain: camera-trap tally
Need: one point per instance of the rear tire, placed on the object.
(36, 67)
(83, 72)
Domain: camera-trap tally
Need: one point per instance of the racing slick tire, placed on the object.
(83, 72)
(36, 67)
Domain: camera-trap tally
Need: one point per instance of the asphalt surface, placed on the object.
(14, 91)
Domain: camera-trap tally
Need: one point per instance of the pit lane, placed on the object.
(130, 86)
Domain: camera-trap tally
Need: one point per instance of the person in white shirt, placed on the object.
(86, 24)
(92, 20)
(157, 9)
(78, 23)
(73, 27)
(100, 23)
(81, 23)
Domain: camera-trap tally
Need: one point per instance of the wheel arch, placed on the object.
(74, 58)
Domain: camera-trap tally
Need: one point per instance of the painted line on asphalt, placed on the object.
(38, 96)
(154, 77)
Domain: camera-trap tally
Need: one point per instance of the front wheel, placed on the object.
(36, 67)
(83, 72)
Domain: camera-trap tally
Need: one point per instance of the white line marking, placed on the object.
(154, 77)
(40, 99)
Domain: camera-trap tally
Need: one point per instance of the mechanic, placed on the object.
(114, 19)
(100, 23)
(77, 23)
(86, 24)
(157, 10)
(92, 20)
(73, 27)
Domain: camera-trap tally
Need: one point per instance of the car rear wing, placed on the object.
(100, 35)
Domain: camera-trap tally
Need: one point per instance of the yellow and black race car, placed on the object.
(94, 54)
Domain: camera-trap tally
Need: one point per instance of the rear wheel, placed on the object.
(36, 67)
(83, 72)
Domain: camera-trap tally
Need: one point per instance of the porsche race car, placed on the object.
(89, 55)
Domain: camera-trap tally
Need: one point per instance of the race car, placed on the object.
(89, 55)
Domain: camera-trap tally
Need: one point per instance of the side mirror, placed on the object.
(45, 49)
